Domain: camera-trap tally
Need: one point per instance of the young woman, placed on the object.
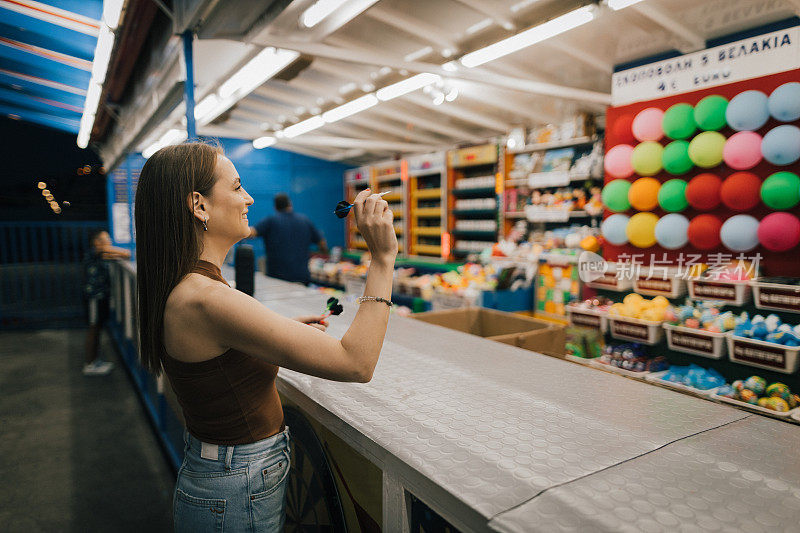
(221, 349)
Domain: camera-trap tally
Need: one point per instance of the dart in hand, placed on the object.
(344, 207)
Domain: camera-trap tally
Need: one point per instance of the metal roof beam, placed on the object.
(491, 9)
(579, 54)
(422, 30)
(392, 112)
(512, 105)
(459, 112)
(692, 41)
(398, 131)
(366, 144)
(54, 15)
(371, 58)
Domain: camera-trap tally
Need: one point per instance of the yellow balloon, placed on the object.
(641, 230)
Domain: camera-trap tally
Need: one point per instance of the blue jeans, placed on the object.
(242, 489)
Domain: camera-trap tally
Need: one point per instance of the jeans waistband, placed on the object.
(226, 453)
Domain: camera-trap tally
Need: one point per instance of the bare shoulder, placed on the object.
(186, 335)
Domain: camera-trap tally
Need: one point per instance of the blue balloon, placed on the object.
(740, 233)
(672, 231)
(613, 229)
(747, 111)
(781, 145)
(784, 102)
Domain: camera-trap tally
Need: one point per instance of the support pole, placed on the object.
(188, 91)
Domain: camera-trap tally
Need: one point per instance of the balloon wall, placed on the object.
(715, 171)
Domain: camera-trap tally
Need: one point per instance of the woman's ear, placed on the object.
(197, 205)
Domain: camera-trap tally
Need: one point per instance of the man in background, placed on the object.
(97, 289)
(287, 236)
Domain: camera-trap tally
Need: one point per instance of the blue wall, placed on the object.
(314, 185)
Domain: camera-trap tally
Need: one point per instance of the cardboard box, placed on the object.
(509, 328)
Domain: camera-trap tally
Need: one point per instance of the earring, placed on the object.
(205, 224)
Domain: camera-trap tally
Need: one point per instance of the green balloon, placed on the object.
(678, 121)
(672, 196)
(615, 195)
(646, 158)
(781, 190)
(709, 113)
(705, 150)
(676, 158)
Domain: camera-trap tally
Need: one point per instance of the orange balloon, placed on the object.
(643, 194)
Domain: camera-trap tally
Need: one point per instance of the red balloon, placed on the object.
(703, 232)
(623, 131)
(703, 191)
(741, 191)
(779, 232)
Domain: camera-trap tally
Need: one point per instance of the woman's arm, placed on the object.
(239, 321)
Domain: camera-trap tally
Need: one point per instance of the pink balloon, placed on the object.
(618, 161)
(779, 232)
(647, 124)
(742, 150)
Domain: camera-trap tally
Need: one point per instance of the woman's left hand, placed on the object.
(313, 321)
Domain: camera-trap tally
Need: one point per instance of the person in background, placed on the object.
(287, 236)
(97, 289)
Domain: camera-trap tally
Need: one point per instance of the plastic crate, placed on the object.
(696, 341)
(776, 296)
(610, 282)
(587, 318)
(667, 284)
(763, 354)
(635, 329)
(784, 415)
(730, 292)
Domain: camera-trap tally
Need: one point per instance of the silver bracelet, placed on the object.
(363, 299)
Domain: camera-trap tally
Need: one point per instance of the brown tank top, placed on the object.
(230, 399)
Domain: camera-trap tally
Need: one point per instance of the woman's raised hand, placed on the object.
(375, 222)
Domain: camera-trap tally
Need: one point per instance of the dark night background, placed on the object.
(30, 153)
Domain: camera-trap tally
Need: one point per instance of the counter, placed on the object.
(493, 437)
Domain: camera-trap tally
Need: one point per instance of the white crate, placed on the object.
(776, 296)
(635, 329)
(442, 301)
(762, 354)
(729, 292)
(696, 341)
(756, 408)
(610, 282)
(596, 363)
(667, 284)
(587, 318)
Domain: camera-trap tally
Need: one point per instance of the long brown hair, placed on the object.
(167, 234)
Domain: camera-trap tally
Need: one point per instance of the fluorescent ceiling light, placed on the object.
(262, 67)
(92, 98)
(620, 4)
(450, 66)
(303, 127)
(102, 54)
(112, 9)
(263, 142)
(206, 104)
(422, 52)
(533, 35)
(452, 95)
(173, 136)
(321, 9)
(350, 108)
(406, 86)
(482, 25)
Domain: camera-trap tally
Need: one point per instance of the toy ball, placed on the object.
(727, 391)
(747, 111)
(703, 191)
(748, 396)
(756, 384)
(678, 121)
(641, 230)
(646, 125)
(590, 243)
(741, 191)
(784, 102)
(776, 404)
(643, 194)
(779, 232)
(709, 113)
(704, 231)
(646, 158)
(672, 195)
(672, 231)
(614, 228)
(779, 390)
(781, 145)
(615, 195)
(738, 385)
(617, 161)
(705, 150)
(740, 233)
(743, 150)
(622, 129)
(781, 190)
(675, 158)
